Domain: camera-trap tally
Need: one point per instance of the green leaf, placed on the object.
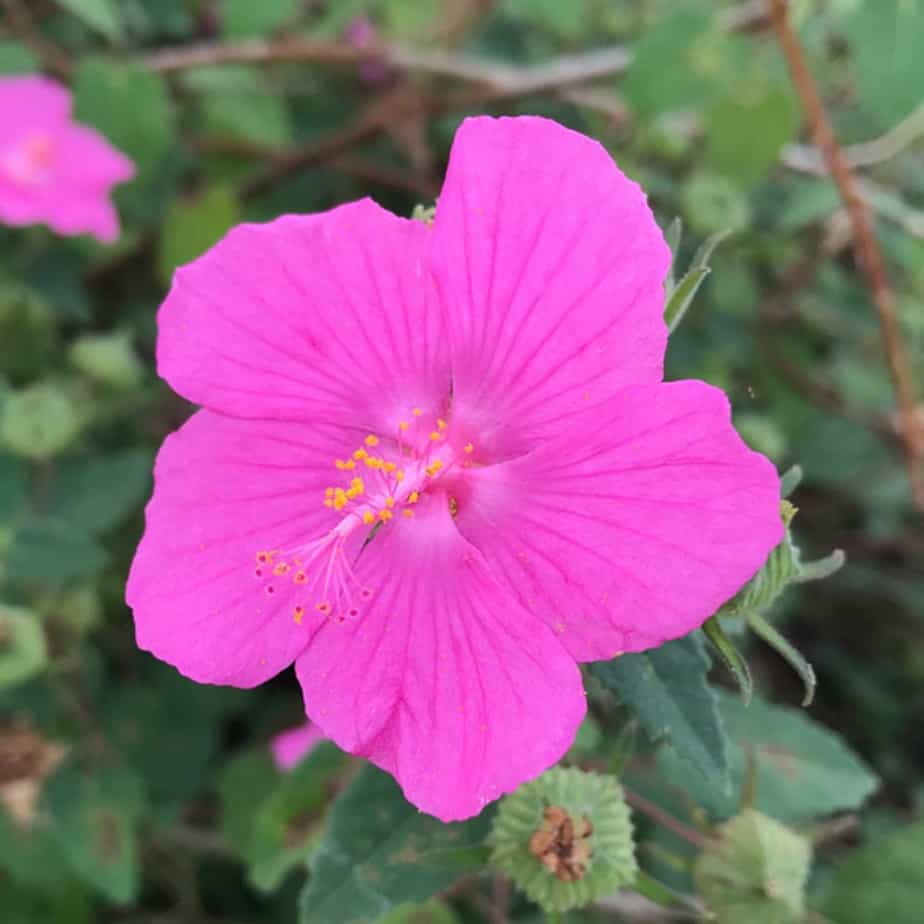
(802, 769)
(98, 493)
(14, 488)
(191, 227)
(567, 20)
(286, 826)
(380, 851)
(667, 689)
(247, 17)
(131, 106)
(881, 881)
(23, 652)
(30, 855)
(242, 788)
(16, 58)
(252, 116)
(51, 549)
(746, 132)
(887, 56)
(680, 297)
(95, 823)
(100, 15)
(166, 730)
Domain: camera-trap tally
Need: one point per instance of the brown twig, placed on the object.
(866, 246)
(657, 814)
(23, 25)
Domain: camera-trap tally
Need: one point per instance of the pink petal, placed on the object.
(31, 103)
(549, 267)
(225, 490)
(443, 680)
(290, 746)
(634, 526)
(319, 317)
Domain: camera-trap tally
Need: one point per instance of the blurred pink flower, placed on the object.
(290, 746)
(52, 169)
(437, 465)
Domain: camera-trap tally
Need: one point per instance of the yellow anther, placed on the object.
(403, 426)
(433, 467)
(353, 493)
(399, 475)
(340, 464)
(389, 502)
(389, 467)
(417, 412)
(442, 424)
(264, 558)
(435, 436)
(385, 515)
(329, 503)
(349, 464)
(298, 613)
(371, 440)
(360, 453)
(281, 568)
(340, 499)
(469, 447)
(358, 485)
(328, 492)
(413, 497)
(368, 517)
(407, 513)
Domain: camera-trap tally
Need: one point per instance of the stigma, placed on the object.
(376, 486)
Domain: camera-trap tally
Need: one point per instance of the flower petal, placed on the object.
(550, 269)
(291, 745)
(443, 680)
(633, 527)
(31, 103)
(317, 317)
(225, 490)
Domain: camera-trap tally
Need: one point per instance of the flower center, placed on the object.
(383, 479)
(30, 161)
(562, 845)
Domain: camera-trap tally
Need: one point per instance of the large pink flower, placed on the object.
(52, 169)
(438, 466)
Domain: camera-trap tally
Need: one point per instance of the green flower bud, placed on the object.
(38, 421)
(22, 645)
(79, 609)
(108, 358)
(755, 871)
(565, 839)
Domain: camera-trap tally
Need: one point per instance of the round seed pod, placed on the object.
(565, 839)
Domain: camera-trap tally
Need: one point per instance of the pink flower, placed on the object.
(290, 746)
(52, 169)
(437, 466)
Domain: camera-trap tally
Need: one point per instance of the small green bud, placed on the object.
(79, 609)
(755, 871)
(108, 358)
(565, 839)
(424, 213)
(38, 421)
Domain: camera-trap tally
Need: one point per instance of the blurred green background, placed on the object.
(128, 794)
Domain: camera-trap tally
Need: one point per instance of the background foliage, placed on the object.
(128, 794)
